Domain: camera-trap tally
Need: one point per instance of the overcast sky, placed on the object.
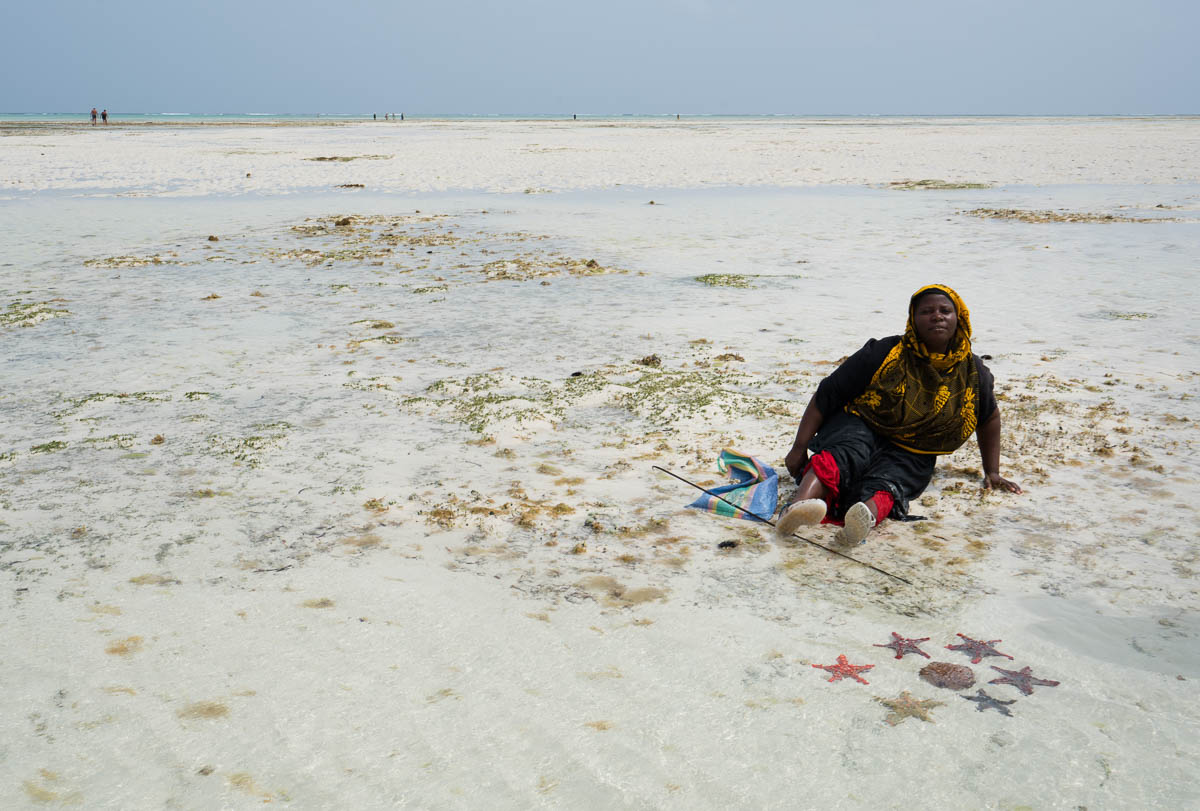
(603, 56)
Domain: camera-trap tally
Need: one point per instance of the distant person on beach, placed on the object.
(94, 114)
(104, 115)
(868, 441)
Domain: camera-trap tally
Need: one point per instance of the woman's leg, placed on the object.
(860, 520)
(892, 477)
(842, 447)
(901, 474)
(865, 515)
(806, 506)
(810, 487)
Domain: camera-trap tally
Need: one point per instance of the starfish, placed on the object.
(983, 702)
(1022, 679)
(977, 649)
(905, 706)
(903, 646)
(843, 668)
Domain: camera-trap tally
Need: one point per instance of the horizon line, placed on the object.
(355, 115)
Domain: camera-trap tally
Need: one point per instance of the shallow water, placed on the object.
(462, 658)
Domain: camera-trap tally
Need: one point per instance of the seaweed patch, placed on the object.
(724, 280)
(130, 261)
(933, 184)
(248, 450)
(1030, 216)
(348, 158)
(30, 313)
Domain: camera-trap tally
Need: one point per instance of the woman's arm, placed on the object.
(797, 457)
(845, 383)
(988, 435)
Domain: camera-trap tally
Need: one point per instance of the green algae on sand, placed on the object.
(724, 280)
(248, 450)
(1032, 216)
(1120, 315)
(660, 397)
(129, 261)
(934, 184)
(741, 280)
(29, 313)
(348, 158)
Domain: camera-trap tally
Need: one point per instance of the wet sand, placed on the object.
(353, 504)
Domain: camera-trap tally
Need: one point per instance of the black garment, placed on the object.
(868, 463)
(854, 375)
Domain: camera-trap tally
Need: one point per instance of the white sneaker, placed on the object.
(804, 513)
(858, 523)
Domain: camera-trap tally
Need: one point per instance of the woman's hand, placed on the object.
(796, 461)
(989, 452)
(994, 481)
(797, 458)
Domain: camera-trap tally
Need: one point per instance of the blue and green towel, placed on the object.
(755, 488)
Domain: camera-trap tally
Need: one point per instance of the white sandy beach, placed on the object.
(321, 515)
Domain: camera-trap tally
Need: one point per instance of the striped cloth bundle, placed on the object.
(755, 488)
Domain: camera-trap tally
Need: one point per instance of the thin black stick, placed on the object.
(772, 523)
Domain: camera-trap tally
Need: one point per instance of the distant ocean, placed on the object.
(300, 118)
(169, 117)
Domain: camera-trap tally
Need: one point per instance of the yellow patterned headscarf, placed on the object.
(923, 401)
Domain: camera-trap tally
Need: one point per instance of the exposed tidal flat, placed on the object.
(342, 496)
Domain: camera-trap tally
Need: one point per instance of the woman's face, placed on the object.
(935, 321)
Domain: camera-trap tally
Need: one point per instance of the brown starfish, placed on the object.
(905, 706)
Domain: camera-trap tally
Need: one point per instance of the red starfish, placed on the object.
(977, 649)
(903, 646)
(1022, 679)
(843, 668)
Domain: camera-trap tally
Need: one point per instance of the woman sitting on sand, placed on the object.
(876, 425)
